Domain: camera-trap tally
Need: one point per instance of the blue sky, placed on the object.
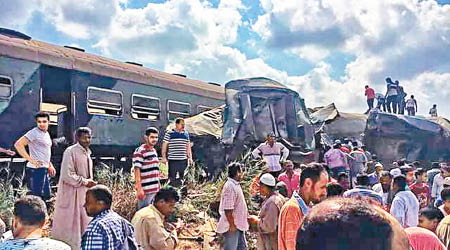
(327, 50)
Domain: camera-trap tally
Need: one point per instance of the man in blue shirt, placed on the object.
(176, 149)
(107, 230)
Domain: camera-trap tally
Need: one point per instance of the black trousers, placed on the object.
(176, 172)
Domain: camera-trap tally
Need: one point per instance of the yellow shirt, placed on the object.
(150, 232)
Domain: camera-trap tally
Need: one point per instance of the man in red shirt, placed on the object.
(420, 188)
(370, 93)
(291, 178)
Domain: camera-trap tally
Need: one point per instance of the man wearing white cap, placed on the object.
(266, 222)
(374, 177)
(395, 172)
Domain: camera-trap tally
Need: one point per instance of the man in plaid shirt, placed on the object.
(107, 230)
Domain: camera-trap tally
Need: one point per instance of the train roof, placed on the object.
(69, 58)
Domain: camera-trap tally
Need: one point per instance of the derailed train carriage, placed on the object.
(116, 100)
(257, 106)
(393, 137)
(254, 107)
(389, 136)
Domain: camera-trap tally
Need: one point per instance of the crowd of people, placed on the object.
(348, 201)
(394, 100)
(82, 217)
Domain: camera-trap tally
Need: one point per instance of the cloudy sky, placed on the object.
(327, 50)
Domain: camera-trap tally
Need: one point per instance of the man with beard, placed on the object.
(266, 222)
(146, 169)
(374, 177)
(384, 188)
(313, 189)
(70, 219)
(405, 206)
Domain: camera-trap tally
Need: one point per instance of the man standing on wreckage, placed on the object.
(272, 152)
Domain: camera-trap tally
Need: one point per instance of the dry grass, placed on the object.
(198, 209)
(200, 206)
(122, 187)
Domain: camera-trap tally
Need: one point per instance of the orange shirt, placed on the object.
(291, 217)
(254, 186)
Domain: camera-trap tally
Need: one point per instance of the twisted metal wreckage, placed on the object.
(257, 106)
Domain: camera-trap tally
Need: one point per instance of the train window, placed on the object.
(201, 109)
(104, 101)
(145, 107)
(5, 87)
(178, 109)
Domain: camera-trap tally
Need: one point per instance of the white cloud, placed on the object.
(408, 40)
(311, 53)
(15, 14)
(81, 18)
(159, 32)
(431, 88)
(318, 89)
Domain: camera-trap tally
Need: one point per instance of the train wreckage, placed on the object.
(257, 106)
(82, 89)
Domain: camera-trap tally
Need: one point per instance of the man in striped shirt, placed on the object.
(176, 148)
(146, 169)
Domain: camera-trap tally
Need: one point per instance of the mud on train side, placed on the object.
(117, 100)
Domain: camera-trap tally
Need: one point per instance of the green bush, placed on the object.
(7, 199)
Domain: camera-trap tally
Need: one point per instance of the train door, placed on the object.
(56, 99)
